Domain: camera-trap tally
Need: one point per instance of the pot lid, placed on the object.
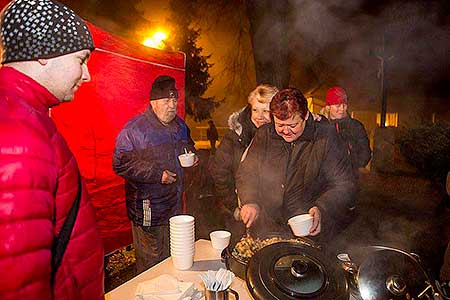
(388, 273)
(287, 270)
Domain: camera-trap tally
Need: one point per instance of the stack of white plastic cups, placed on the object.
(182, 238)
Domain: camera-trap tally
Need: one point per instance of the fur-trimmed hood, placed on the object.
(233, 122)
(240, 123)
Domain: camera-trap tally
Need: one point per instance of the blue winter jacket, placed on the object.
(144, 149)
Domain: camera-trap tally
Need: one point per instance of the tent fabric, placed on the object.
(122, 73)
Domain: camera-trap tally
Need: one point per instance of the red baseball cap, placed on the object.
(336, 95)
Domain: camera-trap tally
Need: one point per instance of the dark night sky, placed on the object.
(427, 31)
(339, 40)
(346, 36)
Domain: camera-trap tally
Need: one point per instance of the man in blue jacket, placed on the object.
(146, 156)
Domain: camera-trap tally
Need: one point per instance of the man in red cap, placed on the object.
(351, 130)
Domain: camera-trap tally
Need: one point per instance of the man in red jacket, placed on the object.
(44, 51)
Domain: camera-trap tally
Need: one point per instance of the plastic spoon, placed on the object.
(219, 277)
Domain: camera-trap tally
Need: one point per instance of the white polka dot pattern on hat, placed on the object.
(33, 29)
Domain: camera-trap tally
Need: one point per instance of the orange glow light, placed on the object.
(156, 41)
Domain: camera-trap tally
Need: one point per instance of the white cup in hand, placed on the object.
(187, 159)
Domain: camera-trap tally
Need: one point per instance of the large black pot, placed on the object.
(295, 269)
(239, 266)
(389, 273)
(234, 264)
(291, 271)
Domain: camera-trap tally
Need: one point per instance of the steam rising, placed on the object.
(338, 42)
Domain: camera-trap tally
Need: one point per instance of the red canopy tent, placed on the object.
(122, 73)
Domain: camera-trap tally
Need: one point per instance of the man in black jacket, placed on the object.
(351, 130)
(294, 166)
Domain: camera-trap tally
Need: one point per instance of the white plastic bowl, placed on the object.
(183, 262)
(186, 159)
(181, 219)
(220, 239)
(301, 224)
(180, 231)
(182, 243)
(182, 250)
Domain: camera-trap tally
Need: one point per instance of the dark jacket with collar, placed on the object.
(144, 149)
(228, 155)
(356, 141)
(286, 179)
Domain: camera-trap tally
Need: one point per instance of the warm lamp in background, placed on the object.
(156, 40)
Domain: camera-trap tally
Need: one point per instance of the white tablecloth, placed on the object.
(206, 258)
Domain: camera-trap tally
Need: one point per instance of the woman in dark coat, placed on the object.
(294, 166)
(242, 128)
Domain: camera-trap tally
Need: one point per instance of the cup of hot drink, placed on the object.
(301, 224)
(220, 239)
(186, 159)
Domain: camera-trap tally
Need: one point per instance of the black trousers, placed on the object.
(151, 245)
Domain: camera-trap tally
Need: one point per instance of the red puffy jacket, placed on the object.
(38, 184)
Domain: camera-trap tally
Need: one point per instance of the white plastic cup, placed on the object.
(182, 236)
(182, 248)
(186, 159)
(301, 224)
(180, 230)
(181, 219)
(220, 239)
(182, 226)
(182, 243)
(183, 251)
(182, 222)
(182, 240)
(175, 237)
(183, 262)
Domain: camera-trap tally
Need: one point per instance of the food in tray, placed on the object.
(247, 246)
